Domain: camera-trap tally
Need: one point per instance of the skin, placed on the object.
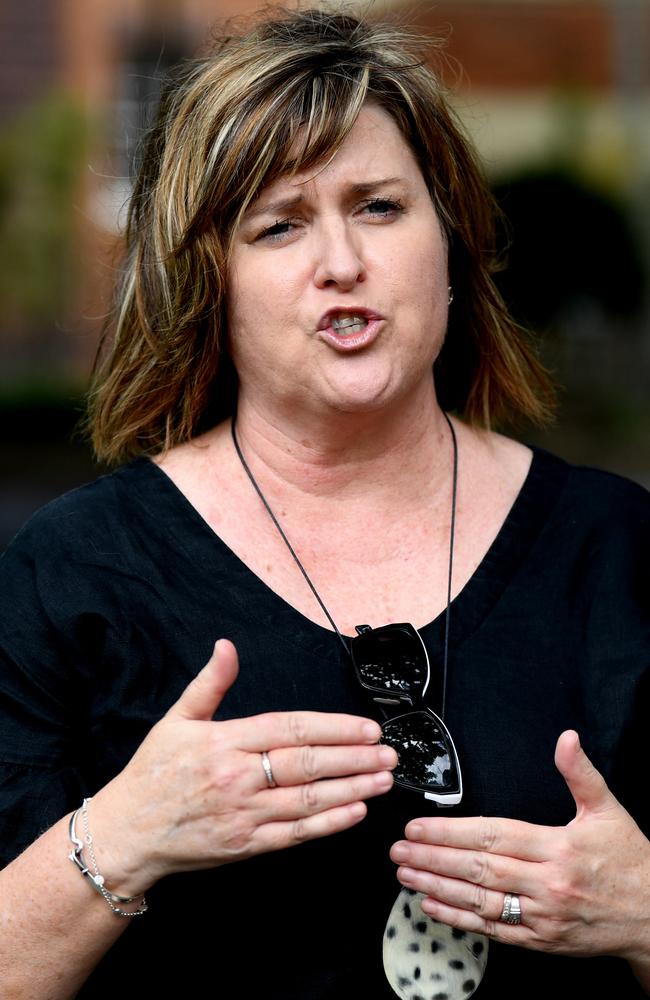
(315, 242)
(362, 432)
(213, 806)
(217, 806)
(583, 888)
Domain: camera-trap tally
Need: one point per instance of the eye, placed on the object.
(383, 207)
(278, 231)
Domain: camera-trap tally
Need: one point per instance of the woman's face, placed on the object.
(338, 281)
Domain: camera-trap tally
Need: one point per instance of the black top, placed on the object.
(110, 601)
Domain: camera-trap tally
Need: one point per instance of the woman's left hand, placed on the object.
(584, 888)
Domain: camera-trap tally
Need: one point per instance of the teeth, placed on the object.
(349, 324)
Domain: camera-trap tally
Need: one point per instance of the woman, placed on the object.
(309, 238)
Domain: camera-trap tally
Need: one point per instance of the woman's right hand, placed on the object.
(195, 794)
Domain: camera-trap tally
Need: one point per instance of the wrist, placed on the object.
(116, 847)
(120, 905)
(638, 957)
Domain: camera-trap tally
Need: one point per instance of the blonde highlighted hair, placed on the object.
(277, 99)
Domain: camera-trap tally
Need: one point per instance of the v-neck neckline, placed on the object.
(469, 608)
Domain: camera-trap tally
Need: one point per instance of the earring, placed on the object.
(451, 295)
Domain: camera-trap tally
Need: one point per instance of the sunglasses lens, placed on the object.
(391, 659)
(427, 759)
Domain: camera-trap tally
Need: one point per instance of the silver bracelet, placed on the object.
(94, 877)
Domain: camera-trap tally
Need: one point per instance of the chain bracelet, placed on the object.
(97, 879)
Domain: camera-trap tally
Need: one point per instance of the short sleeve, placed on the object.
(46, 636)
(616, 669)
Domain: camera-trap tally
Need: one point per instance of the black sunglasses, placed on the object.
(392, 664)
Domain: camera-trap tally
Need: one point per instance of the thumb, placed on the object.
(202, 696)
(586, 784)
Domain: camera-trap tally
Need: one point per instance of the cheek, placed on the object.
(420, 257)
(432, 258)
(264, 292)
(261, 319)
(421, 288)
(246, 311)
(244, 322)
(418, 279)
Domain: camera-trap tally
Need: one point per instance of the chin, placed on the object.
(357, 390)
(366, 399)
(376, 389)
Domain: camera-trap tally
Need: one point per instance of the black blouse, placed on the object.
(111, 599)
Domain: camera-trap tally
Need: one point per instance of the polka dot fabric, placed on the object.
(426, 960)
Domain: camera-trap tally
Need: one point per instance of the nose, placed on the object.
(338, 256)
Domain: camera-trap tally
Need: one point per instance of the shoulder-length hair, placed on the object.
(279, 99)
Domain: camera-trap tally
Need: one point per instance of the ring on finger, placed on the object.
(511, 912)
(268, 770)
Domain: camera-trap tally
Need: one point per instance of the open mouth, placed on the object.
(347, 325)
(350, 329)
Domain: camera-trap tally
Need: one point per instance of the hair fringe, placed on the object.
(234, 120)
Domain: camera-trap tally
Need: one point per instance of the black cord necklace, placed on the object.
(452, 531)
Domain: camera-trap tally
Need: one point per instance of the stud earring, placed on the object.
(450, 292)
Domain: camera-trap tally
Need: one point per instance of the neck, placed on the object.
(308, 579)
(398, 454)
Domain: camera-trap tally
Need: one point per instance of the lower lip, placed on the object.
(354, 341)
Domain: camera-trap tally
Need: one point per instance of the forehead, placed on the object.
(374, 148)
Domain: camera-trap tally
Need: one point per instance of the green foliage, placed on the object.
(41, 152)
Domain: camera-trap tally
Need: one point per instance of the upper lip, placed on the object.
(331, 314)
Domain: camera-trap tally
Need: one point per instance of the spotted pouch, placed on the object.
(426, 960)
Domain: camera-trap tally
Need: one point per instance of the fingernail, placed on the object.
(414, 831)
(372, 731)
(400, 852)
(405, 875)
(387, 756)
(577, 746)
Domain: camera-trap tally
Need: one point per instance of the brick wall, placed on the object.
(532, 45)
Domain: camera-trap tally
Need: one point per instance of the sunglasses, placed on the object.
(392, 664)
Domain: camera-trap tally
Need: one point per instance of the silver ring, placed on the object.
(266, 764)
(511, 912)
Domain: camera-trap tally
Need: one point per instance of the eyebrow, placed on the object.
(284, 205)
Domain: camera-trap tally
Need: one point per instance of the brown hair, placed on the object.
(277, 99)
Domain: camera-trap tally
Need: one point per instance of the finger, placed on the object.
(294, 729)
(202, 696)
(466, 920)
(491, 871)
(298, 765)
(299, 801)
(586, 784)
(276, 836)
(509, 837)
(485, 903)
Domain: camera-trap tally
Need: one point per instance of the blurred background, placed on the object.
(556, 94)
